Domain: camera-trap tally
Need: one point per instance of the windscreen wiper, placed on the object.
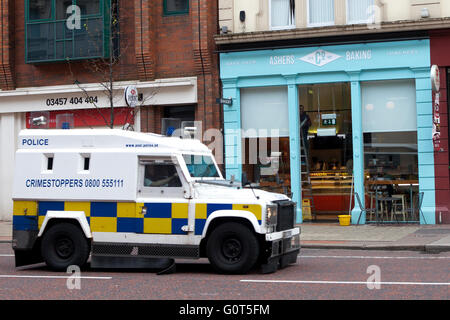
(223, 183)
(251, 187)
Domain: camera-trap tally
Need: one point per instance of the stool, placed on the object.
(396, 205)
(373, 204)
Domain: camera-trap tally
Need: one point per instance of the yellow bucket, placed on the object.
(344, 220)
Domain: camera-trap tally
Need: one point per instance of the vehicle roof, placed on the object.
(105, 139)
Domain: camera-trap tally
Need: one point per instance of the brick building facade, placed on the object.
(165, 48)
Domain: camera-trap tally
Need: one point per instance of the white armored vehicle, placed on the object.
(124, 198)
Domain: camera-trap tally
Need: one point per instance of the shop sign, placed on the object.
(131, 96)
(436, 124)
(436, 85)
(227, 101)
(320, 57)
(435, 78)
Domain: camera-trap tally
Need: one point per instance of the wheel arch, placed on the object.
(218, 218)
(75, 217)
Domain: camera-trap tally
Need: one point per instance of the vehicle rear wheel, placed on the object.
(63, 245)
(232, 248)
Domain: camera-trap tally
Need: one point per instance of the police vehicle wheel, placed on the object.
(63, 245)
(232, 248)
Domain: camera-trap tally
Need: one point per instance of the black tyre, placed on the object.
(63, 245)
(232, 248)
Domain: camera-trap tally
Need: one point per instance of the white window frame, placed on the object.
(287, 27)
(347, 12)
(321, 24)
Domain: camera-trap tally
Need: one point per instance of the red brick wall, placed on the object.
(440, 46)
(181, 46)
(7, 81)
(30, 75)
(153, 46)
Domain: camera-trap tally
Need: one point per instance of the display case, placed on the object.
(331, 181)
(331, 192)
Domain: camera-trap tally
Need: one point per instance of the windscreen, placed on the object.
(201, 166)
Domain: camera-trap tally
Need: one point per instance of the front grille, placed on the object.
(286, 215)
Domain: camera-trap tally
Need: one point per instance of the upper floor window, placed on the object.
(282, 14)
(176, 7)
(360, 11)
(58, 30)
(320, 13)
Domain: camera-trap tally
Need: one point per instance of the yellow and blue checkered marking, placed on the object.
(161, 218)
(204, 210)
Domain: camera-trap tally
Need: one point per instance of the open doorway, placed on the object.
(326, 151)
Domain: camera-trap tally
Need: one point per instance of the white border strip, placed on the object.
(351, 282)
(53, 277)
(371, 257)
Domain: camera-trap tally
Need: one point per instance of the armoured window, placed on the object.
(50, 163)
(201, 166)
(86, 163)
(57, 30)
(176, 7)
(161, 175)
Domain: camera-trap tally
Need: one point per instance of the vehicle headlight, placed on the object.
(271, 214)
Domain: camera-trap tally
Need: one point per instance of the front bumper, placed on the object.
(284, 246)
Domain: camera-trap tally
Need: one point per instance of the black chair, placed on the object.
(363, 209)
(417, 205)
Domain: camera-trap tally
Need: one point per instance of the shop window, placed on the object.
(360, 11)
(67, 30)
(173, 7)
(390, 150)
(320, 13)
(265, 133)
(282, 14)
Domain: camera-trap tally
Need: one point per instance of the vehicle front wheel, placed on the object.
(63, 245)
(232, 248)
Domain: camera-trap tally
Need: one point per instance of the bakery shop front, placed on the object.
(338, 128)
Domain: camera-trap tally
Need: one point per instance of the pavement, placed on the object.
(426, 238)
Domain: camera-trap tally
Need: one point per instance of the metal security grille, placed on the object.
(130, 250)
(285, 217)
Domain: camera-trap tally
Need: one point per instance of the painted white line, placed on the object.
(53, 277)
(352, 282)
(372, 257)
